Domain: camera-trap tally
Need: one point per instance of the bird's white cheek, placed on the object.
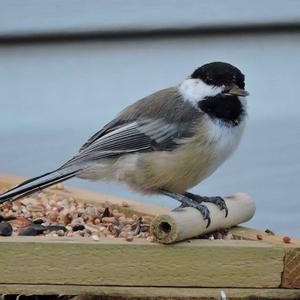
(194, 90)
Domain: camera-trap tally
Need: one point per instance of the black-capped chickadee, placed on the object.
(164, 143)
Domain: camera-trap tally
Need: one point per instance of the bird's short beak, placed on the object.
(235, 90)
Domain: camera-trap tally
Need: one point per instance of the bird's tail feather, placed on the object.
(37, 183)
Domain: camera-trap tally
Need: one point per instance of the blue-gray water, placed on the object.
(54, 96)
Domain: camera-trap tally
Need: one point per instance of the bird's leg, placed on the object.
(188, 202)
(218, 201)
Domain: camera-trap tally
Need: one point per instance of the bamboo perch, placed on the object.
(188, 222)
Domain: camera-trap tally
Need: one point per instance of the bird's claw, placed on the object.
(204, 212)
(187, 201)
(219, 202)
(200, 207)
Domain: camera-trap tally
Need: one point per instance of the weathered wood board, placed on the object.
(198, 263)
(195, 269)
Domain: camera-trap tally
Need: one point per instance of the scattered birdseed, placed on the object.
(268, 231)
(62, 216)
(129, 238)
(125, 203)
(95, 237)
(5, 229)
(259, 236)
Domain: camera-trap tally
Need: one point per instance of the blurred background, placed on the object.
(68, 67)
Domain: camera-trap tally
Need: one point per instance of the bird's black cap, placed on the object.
(220, 73)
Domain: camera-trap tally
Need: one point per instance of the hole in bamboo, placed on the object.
(165, 227)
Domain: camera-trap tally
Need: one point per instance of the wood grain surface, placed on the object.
(291, 272)
(199, 263)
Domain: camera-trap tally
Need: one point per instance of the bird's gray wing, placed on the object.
(167, 105)
(133, 136)
(161, 121)
(113, 125)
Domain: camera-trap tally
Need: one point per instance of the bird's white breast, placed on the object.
(225, 140)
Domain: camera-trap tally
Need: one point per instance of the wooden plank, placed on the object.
(291, 272)
(251, 234)
(119, 292)
(198, 263)
(140, 208)
(290, 278)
